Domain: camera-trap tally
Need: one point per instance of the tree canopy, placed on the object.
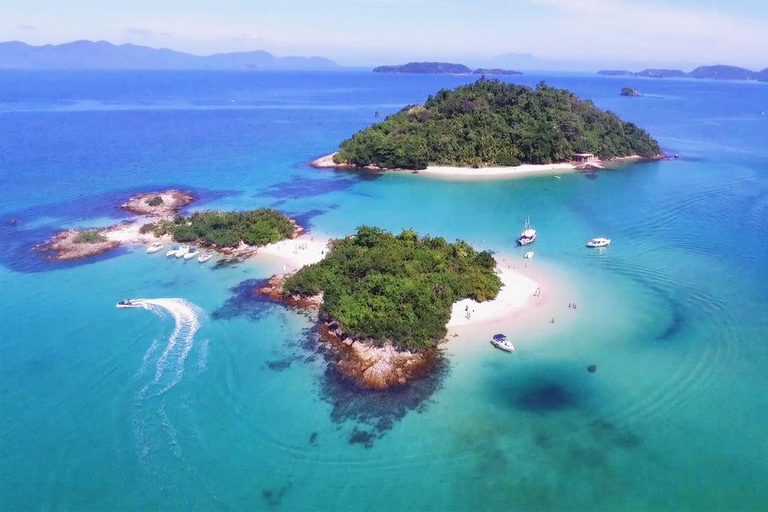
(383, 287)
(494, 123)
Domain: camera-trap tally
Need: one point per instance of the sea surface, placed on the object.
(213, 399)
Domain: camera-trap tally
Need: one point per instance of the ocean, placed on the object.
(214, 399)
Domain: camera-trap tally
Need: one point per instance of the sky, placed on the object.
(587, 33)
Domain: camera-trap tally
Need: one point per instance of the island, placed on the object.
(384, 300)
(718, 72)
(496, 71)
(495, 127)
(158, 220)
(629, 91)
(425, 67)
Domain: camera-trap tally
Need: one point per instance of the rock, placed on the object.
(592, 368)
(66, 247)
(172, 202)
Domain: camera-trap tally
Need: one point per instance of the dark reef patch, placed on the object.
(590, 175)
(619, 437)
(545, 397)
(362, 437)
(273, 497)
(227, 263)
(305, 218)
(302, 186)
(313, 438)
(245, 301)
(280, 364)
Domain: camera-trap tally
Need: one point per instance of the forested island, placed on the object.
(711, 72)
(425, 67)
(491, 123)
(387, 298)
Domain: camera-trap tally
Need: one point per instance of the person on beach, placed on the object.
(552, 321)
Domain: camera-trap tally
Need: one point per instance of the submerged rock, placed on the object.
(592, 368)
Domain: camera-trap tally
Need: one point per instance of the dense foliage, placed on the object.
(425, 67)
(496, 71)
(398, 288)
(495, 123)
(228, 229)
(89, 237)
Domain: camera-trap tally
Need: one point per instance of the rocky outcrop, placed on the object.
(66, 246)
(328, 162)
(168, 204)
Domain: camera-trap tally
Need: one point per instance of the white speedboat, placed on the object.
(557, 177)
(528, 236)
(205, 257)
(128, 303)
(192, 253)
(529, 255)
(172, 250)
(502, 343)
(599, 242)
(184, 249)
(154, 247)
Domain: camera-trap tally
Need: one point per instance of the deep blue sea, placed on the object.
(217, 400)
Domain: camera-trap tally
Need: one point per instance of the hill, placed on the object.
(718, 72)
(105, 55)
(494, 123)
(425, 67)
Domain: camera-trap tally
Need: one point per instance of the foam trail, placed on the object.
(187, 321)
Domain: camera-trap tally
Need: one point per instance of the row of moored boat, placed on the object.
(181, 251)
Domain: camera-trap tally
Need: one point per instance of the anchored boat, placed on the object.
(501, 342)
(156, 246)
(599, 242)
(528, 236)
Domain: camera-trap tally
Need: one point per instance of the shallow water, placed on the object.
(214, 399)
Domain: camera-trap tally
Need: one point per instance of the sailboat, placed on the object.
(528, 236)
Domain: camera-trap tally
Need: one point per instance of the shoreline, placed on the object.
(469, 173)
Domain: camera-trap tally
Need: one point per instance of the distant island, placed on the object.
(425, 67)
(491, 123)
(385, 299)
(708, 72)
(629, 91)
(105, 55)
(496, 71)
(158, 220)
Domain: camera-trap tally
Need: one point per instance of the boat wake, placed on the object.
(170, 364)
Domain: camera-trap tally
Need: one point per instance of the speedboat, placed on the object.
(184, 249)
(599, 242)
(192, 253)
(172, 250)
(501, 342)
(557, 177)
(528, 255)
(205, 257)
(154, 247)
(128, 303)
(528, 236)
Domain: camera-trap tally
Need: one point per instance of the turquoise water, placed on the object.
(229, 404)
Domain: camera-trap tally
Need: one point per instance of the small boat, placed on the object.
(154, 247)
(557, 177)
(599, 242)
(192, 253)
(172, 250)
(502, 343)
(529, 255)
(528, 236)
(184, 249)
(205, 257)
(128, 303)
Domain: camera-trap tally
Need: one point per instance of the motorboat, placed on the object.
(184, 249)
(599, 242)
(557, 177)
(205, 257)
(192, 253)
(529, 255)
(528, 236)
(172, 250)
(128, 303)
(501, 342)
(154, 247)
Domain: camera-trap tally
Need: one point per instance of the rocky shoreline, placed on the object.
(367, 364)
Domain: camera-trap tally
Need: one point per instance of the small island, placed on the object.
(426, 68)
(496, 71)
(158, 220)
(491, 125)
(629, 91)
(385, 299)
(718, 72)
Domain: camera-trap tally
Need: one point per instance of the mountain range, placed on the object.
(105, 55)
(718, 72)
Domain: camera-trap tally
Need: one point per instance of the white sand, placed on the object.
(496, 172)
(516, 293)
(296, 253)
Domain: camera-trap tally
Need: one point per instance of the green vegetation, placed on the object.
(399, 288)
(494, 123)
(146, 228)
(228, 229)
(155, 201)
(89, 237)
(496, 71)
(425, 67)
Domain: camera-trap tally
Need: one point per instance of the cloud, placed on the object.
(29, 28)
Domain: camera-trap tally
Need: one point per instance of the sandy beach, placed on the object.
(295, 253)
(498, 172)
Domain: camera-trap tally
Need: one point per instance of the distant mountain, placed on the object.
(105, 55)
(496, 71)
(425, 67)
(718, 72)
